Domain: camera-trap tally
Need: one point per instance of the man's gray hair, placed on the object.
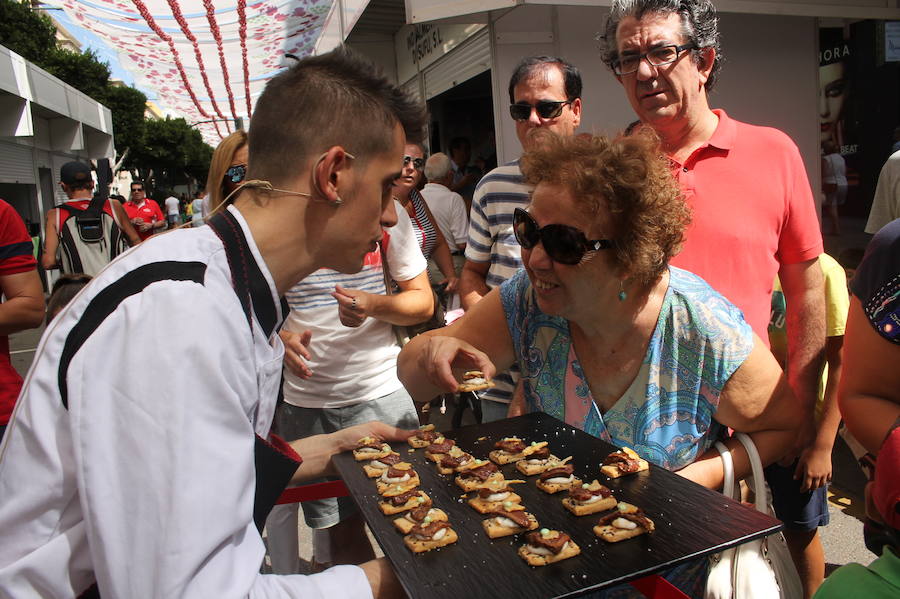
(699, 25)
(437, 167)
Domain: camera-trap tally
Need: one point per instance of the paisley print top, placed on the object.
(666, 415)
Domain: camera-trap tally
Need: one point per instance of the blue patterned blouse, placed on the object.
(666, 415)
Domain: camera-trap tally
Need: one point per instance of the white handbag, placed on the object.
(760, 569)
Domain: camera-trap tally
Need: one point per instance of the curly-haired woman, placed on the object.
(610, 338)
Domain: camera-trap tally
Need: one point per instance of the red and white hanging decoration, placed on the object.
(206, 60)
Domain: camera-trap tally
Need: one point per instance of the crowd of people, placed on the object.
(648, 288)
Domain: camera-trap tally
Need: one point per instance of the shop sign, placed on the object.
(418, 46)
(892, 41)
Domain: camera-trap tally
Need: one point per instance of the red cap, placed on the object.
(886, 488)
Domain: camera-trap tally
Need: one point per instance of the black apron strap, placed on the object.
(229, 231)
(275, 462)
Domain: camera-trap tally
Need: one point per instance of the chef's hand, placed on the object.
(318, 450)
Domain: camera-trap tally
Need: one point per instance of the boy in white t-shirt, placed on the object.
(172, 211)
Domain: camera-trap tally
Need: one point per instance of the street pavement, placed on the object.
(842, 538)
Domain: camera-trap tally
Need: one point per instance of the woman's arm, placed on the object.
(479, 340)
(51, 241)
(756, 400)
(869, 390)
(441, 253)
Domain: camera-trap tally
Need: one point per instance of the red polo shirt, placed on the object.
(148, 210)
(16, 255)
(753, 210)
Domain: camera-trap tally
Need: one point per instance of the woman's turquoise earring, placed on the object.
(622, 294)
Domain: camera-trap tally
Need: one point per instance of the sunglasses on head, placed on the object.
(545, 109)
(564, 244)
(236, 173)
(418, 163)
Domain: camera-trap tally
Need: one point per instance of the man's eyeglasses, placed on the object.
(663, 55)
(236, 173)
(136, 189)
(545, 109)
(418, 163)
(565, 244)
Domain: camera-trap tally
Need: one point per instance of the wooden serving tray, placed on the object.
(691, 521)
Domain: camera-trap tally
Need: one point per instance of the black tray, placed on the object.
(691, 521)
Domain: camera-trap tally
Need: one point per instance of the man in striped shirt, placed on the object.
(545, 94)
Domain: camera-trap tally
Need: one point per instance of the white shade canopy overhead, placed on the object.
(206, 60)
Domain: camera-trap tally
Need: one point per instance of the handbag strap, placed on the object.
(728, 469)
(759, 481)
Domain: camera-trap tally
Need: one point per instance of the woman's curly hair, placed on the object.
(629, 176)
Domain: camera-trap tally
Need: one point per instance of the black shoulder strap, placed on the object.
(229, 231)
(106, 302)
(249, 283)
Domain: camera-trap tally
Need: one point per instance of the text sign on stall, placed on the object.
(892, 41)
(423, 44)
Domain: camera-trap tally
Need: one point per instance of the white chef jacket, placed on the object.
(146, 483)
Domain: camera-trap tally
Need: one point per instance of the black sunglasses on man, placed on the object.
(546, 109)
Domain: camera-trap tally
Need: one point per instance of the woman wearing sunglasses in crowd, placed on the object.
(610, 339)
(227, 169)
(431, 240)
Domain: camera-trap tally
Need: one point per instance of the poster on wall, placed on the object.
(838, 125)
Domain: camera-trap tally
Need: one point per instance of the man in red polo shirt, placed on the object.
(23, 306)
(143, 212)
(753, 213)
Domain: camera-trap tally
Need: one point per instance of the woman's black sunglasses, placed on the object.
(236, 173)
(545, 109)
(564, 244)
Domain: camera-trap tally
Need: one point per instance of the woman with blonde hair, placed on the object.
(227, 169)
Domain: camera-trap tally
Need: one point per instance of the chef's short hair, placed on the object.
(334, 99)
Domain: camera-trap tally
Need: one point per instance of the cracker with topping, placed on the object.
(489, 499)
(622, 463)
(540, 461)
(625, 523)
(558, 479)
(397, 479)
(435, 451)
(425, 436)
(513, 449)
(589, 499)
(477, 475)
(509, 521)
(370, 448)
(430, 534)
(474, 380)
(547, 546)
(404, 501)
(376, 468)
(407, 521)
(454, 461)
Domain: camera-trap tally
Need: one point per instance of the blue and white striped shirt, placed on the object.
(491, 239)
